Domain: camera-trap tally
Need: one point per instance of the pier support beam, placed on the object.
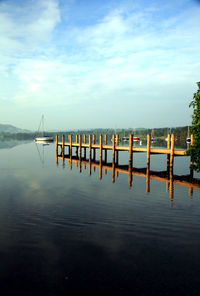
(84, 141)
(172, 152)
(113, 148)
(63, 144)
(105, 151)
(148, 149)
(168, 155)
(117, 152)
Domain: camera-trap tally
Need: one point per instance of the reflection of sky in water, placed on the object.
(67, 226)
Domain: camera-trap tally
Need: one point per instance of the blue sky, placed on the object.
(89, 64)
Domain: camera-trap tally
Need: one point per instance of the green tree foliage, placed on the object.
(194, 150)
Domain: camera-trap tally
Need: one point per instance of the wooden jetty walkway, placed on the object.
(80, 144)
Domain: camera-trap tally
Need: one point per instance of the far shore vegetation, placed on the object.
(159, 134)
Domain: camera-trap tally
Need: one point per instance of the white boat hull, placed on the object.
(44, 139)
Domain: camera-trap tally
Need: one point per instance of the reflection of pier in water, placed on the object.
(164, 176)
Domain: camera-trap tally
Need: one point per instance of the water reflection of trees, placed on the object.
(163, 176)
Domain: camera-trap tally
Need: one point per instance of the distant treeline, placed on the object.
(181, 133)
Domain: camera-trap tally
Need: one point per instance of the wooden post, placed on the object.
(63, 145)
(84, 141)
(105, 139)
(168, 155)
(100, 147)
(80, 143)
(77, 147)
(148, 149)
(113, 148)
(172, 151)
(191, 160)
(130, 148)
(89, 155)
(105, 142)
(89, 146)
(57, 145)
(117, 152)
(94, 150)
(70, 145)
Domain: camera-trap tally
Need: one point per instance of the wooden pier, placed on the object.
(80, 158)
(170, 150)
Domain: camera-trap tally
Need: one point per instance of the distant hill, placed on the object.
(8, 128)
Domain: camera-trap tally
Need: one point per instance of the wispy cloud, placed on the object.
(131, 54)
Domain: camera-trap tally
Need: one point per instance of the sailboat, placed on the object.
(43, 138)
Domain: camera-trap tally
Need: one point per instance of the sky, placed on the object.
(98, 63)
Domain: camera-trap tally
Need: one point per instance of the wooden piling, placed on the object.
(56, 144)
(113, 148)
(89, 146)
(100, 147)
(105, 151)
(148, 149)
(94, 150)
(172, 151)
(168, 155)
(70, 145)
(63, 144)
(117, 152)
(84, 141)
(191, 160)
(130, 148)
(80, 146)
(76, 147)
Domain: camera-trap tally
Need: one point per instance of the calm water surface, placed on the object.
(67, 233)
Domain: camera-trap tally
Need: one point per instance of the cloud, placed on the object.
(128, 53)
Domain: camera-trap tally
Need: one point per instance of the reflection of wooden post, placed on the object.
(105, 171)
(172, 151)
(89, 146)
(167, 186)
(77, 147)
(117, 152)
(63, 144)
(130, 159)
(84, 141)
(113, 148)
(57, 159)
(80, 165)
(113, 170)
(190, 191)
(105, 142)
(147, 179)
(148, 149)
(171, 188)
(80, 144)
(191, 160)
(100, 170)
(94, 150)
(168, 155)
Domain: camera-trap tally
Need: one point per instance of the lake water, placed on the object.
(63, 232)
